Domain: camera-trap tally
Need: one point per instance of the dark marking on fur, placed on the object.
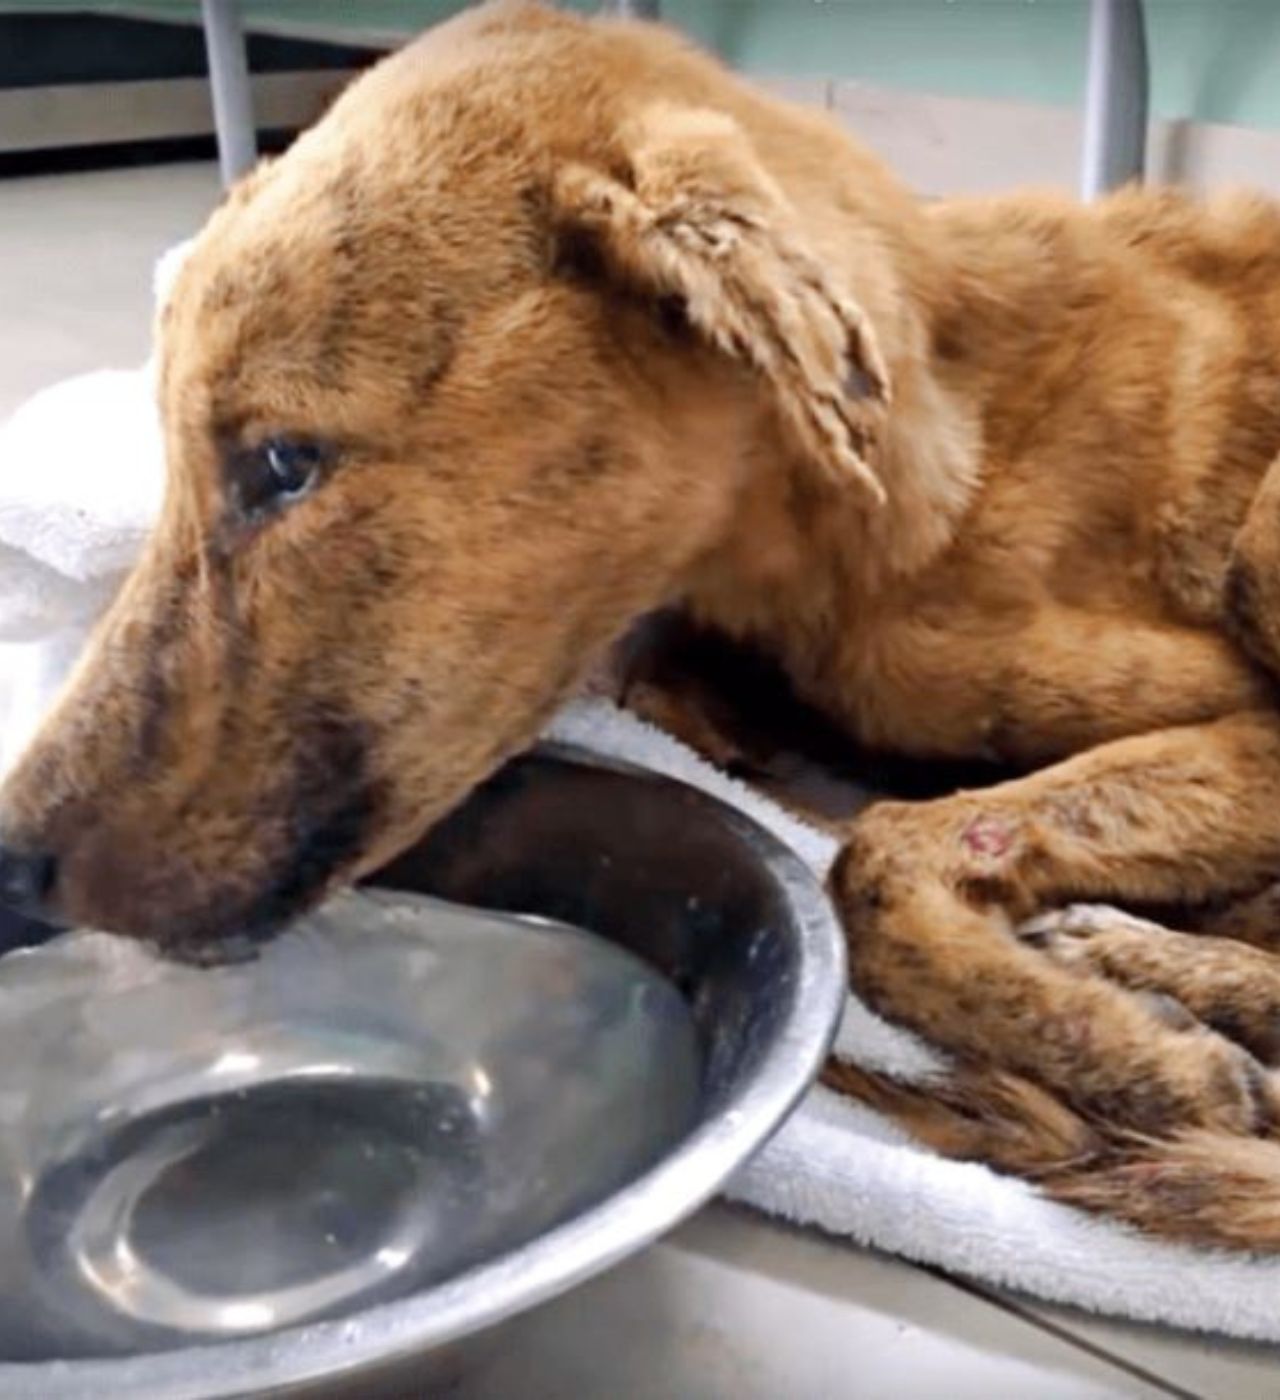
(986, 890)
(577, 258)
(1243, 601)
(1231, 1022)
(673, 316)
(535, 199)
(438, 346)
(332, 360)
(331, 805)
(236, 636)
(948, 344)
(562, 476)
(864, 898)
(221, 293)
(411, 704)
(594, 459)
(806, 500)
(1257, 1085)
(155, 688)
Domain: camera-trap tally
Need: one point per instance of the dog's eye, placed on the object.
(277, 472)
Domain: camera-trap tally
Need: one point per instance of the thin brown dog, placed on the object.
(550, 323)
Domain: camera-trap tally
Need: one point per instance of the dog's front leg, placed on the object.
(932, 894)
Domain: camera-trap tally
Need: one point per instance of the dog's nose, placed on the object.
(26, 880)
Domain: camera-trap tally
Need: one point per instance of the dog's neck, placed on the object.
(797, 564)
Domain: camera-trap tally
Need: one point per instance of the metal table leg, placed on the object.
(229, 79)
(1115, 116)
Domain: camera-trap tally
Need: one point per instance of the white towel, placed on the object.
(81, 480)
(81, 472)
(834, 1164)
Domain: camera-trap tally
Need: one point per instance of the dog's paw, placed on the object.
(1086, 938)
(1186, 979)
(1081, 935)
(1081, 921)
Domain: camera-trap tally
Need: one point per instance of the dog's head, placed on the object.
(451, 392)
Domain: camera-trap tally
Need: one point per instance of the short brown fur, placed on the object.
(587, 327)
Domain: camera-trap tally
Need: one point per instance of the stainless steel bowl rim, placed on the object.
(625, 1222)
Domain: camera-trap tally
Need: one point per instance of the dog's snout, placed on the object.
(26, 879)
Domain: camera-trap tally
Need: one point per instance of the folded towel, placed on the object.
(81, 477)
(81, 480)
(81, 471)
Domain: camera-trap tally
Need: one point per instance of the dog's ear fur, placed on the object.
(693, 216)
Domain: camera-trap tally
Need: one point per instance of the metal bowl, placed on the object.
(690, 885)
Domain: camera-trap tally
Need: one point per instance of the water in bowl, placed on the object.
(391, 1092)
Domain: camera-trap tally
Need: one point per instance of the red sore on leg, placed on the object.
(988, 837)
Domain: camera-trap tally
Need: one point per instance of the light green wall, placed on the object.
(1212, 60)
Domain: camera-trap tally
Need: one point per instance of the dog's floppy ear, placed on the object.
(693, 216)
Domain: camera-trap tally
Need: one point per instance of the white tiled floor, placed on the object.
(731, 1305)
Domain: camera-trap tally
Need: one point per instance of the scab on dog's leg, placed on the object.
(931, 896)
